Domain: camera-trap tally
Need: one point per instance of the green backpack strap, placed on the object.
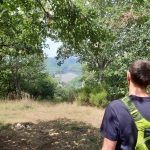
(132, 109)
(141, 123)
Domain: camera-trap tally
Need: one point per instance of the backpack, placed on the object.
(143, 125)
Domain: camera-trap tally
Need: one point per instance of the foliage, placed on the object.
(83, 96)
(43, 87)
(22, 27)
(21, 41)
(96, 95)
(100, 32)
(25, 74)
(99, 99)
(91, 92)
(116, 76)
(22, 36)
(64, 94)
(75, 83)
(94, 34)
(105, 35)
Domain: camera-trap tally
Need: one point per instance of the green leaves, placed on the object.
(107, 39)
(21, 28)
(98, 32)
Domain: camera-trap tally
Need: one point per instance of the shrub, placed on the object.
(63, 94)
(99, 99)
(92, 95)
(83, 97)
(42, 88)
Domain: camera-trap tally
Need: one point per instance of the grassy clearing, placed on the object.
(33, 111)
(47, 126)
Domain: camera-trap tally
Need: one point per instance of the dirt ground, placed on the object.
(62, 134)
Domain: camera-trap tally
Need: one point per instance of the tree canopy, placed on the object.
(104, 34)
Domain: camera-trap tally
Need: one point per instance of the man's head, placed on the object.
(139, 73)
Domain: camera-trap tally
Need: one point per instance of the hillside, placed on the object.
(70, 65)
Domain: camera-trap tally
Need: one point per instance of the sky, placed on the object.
(52, 49)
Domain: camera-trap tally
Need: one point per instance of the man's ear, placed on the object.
(128, 77)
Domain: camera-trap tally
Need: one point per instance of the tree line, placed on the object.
(105, 35)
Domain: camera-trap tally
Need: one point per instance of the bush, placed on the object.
(42, 87)
(82, 98)
(99, 99)
(63, 94)
(96, 95)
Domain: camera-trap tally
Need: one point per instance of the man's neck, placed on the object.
(137, 91)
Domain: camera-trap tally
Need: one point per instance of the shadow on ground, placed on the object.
(62, 134)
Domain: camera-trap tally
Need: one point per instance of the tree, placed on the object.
(98, 32)
(98, 36)
(21, 39)
(22, 27)
(106, 39)
(26, 74)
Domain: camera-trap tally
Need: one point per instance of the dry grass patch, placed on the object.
(47, 126)
(33, 111)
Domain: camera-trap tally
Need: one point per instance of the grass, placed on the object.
(33, 111)
(49, 126)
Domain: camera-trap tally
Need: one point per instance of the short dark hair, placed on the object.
(140, 72)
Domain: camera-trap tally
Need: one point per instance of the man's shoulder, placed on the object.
(117, 106)
(116, 103)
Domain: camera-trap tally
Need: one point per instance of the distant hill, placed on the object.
(66, 77)
(70, 66)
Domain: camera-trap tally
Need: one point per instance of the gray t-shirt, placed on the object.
(118, 125)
